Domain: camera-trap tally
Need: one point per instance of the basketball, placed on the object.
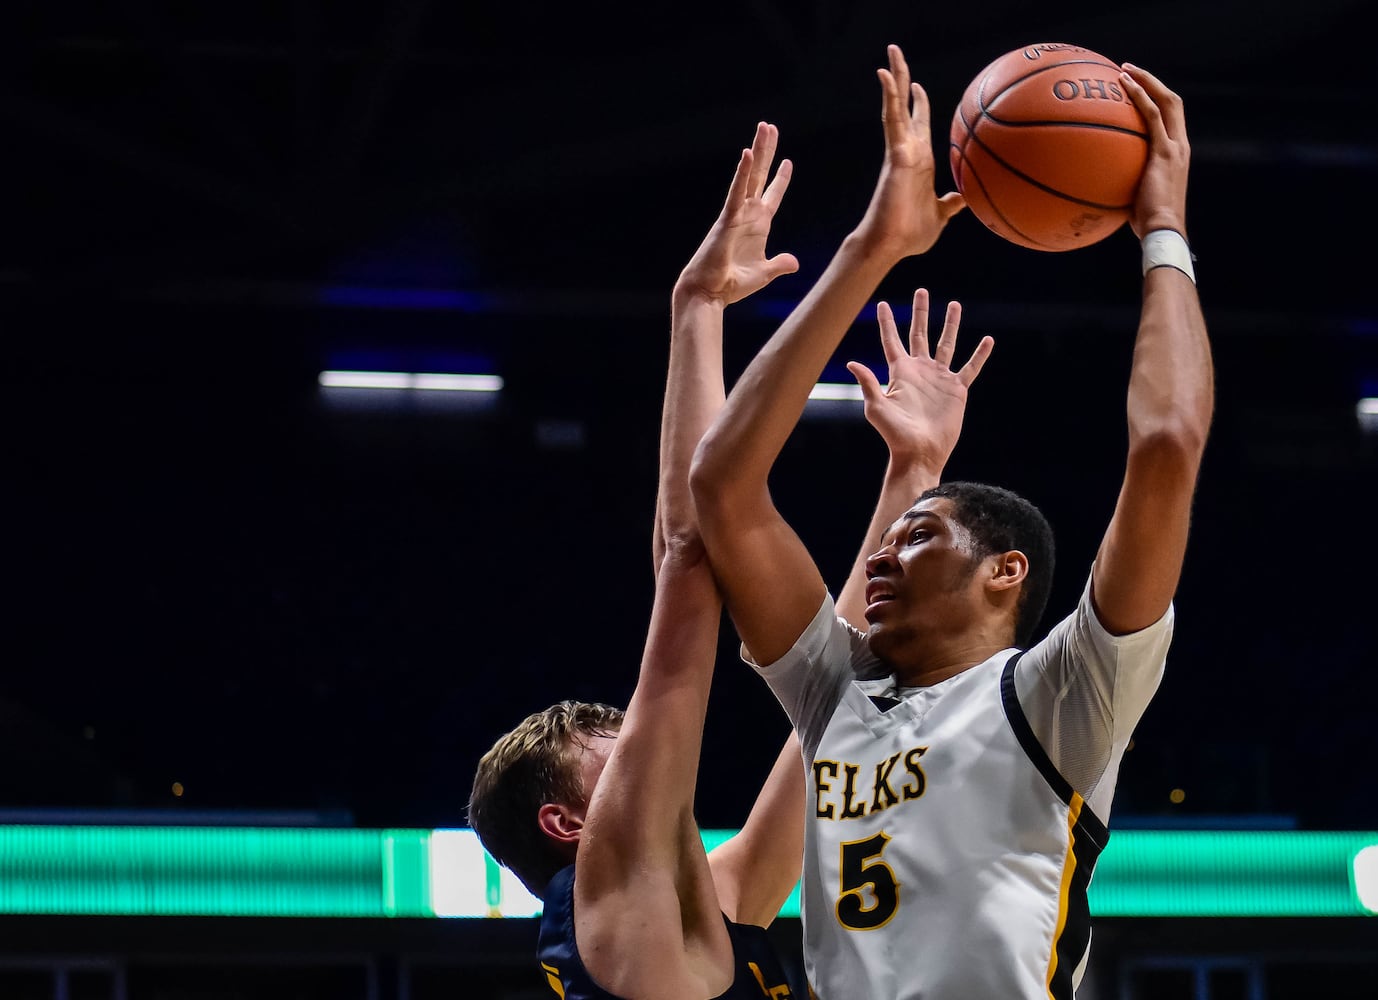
(1047, 147)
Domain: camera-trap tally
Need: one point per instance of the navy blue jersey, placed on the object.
(759, 973)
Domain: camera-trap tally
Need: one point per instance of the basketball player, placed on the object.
(592, 809)
(961, 778)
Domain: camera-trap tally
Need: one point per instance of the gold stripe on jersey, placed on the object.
(1064, 895)
(552, 976)
(780, 992)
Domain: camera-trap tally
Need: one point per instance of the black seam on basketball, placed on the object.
(1060, 123)
(973, 137)
(973, 175)
(970, 171)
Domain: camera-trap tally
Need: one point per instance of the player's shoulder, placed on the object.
(848, 642)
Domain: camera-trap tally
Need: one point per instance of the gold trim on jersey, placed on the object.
(1064, 895)
(552, 976)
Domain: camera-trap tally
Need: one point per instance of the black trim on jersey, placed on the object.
(1089, 836)
(883, 701)
(1023, 732)
(1075, 938)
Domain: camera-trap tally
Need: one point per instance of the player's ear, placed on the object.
(1008, 569)
(560, 823)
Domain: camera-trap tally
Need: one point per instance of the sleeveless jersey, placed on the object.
(759, 974)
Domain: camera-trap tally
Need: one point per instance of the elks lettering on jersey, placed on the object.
(886, 789)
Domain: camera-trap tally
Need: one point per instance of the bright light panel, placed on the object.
(1367, 412)
(423, 381)
(1366, 877)
(466, 882)
(836, 391)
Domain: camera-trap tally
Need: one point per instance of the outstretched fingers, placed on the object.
(978, 359)
(870, 385)
(741, 183)
(894, 85)
(899, 66)
(918, 324)
(947, 340)
(775, 190)
(753, 168)
(763, 154)
(919, 111)
(889, 334)
(780, 264)
(753, 179)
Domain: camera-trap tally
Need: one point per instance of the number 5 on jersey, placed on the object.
(870, 894)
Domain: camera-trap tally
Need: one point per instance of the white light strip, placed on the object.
(1366, 412)
(426, 381)
(459, 886)
(458, 383)
(836, 390)
(1366, 878)
(364, 380)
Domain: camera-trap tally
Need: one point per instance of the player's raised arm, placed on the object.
(1171, 385)
(730, 264)
(769, 581)
(644, 886)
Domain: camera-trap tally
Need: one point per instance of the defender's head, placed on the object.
(532, 788)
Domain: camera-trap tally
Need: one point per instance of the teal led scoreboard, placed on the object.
(347, 872)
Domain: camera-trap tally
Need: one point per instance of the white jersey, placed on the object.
(947, 854)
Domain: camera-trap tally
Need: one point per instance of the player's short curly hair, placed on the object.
(535, 763)
(1000, 520)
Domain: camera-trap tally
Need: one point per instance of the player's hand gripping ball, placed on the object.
(1047, 148)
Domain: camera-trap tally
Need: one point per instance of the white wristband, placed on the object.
(1168, 248)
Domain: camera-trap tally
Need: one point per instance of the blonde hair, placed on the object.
(535, 763)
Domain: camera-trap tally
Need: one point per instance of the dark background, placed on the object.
(220, 577)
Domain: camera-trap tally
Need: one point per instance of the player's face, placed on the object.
(922, 583)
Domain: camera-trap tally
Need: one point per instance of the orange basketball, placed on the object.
(1047, 148)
